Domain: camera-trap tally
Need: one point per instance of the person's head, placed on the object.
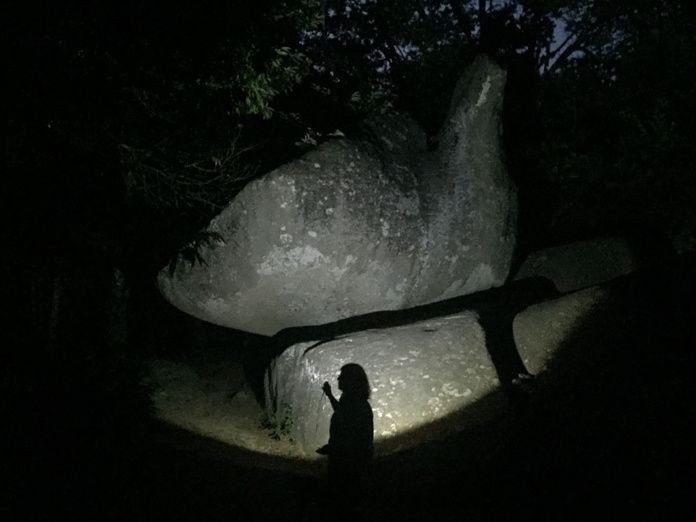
(353, 381)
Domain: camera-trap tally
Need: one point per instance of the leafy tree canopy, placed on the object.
(170, 107)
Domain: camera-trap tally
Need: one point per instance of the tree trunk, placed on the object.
(117, 315)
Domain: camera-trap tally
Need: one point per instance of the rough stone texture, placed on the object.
(357, 226)
(429, 373)
(418, 373)
(581, 264)
(543, 328)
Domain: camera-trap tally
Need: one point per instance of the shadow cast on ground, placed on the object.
(603, 433)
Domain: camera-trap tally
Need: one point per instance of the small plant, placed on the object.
(191, 252)
(278, 424)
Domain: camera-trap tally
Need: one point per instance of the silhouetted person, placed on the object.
(350, 448)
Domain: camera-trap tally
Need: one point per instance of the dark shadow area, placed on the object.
(603, 434)
(496, 308)
(127, 127)
(349, 450)
(517, 295)
(606, 432)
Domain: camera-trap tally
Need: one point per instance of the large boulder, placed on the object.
(428, 378)
(419, 373)
(360, 225)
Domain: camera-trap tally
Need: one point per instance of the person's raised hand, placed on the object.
(327, 388)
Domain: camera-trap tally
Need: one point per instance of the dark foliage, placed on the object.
(126, 126)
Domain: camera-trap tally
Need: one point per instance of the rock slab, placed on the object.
(428, 378)
(361, 225)
(418, 374)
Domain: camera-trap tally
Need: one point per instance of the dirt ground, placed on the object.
(605, 434)
(214, 401)
(606, 438)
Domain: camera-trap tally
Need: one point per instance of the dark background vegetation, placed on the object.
(127, 125)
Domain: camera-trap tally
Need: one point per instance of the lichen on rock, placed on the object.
(364, 224)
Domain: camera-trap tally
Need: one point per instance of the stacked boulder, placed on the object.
(426, 377)
(361, 225)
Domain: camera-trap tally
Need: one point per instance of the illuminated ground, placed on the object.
(611, 436)
(608, 436)
(215, 404)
